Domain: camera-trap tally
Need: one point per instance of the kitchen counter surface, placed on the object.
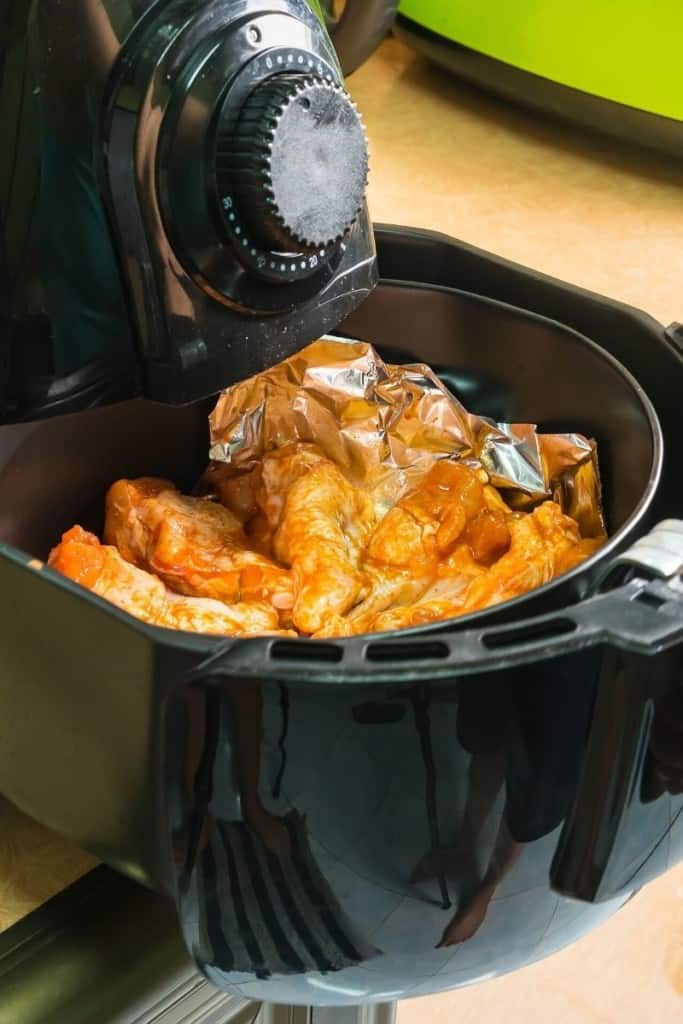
(35, 864)
(595, 213)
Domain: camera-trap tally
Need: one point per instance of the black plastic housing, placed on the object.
(123, 272)
(153, 749)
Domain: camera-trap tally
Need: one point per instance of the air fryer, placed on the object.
(313, 810)
(358, 755)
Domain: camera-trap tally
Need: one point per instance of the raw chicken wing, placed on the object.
(488, 536)
(277, 474)
(427, 522)
(323, 528)
(406, 549)
(101, 568)
(196, 546)
(542, 544)
(419, 614)
(203, 615)
(388, 587)
(540, 541)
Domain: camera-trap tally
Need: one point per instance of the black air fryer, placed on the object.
(336, 823)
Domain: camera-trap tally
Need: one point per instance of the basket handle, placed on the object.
(632, 692)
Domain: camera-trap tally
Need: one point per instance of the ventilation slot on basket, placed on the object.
(290, 650)
(538, 631)
(407, 652)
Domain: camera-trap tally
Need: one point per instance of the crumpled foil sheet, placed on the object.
(385, 425)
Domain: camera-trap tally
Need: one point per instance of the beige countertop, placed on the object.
(595, 213)
(629, 971)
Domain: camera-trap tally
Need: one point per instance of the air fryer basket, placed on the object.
(152, 748)
(501, 361)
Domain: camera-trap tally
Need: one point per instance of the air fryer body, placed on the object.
(611, 67)
(131, 265)
(319, 812)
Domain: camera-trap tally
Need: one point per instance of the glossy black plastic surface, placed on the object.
(290, 796)
(123, 272)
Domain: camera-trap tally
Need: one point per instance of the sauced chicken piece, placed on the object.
(539, 543)
(488, 536)
(459, 565)
(237, 492)
(577, 554)
(276, 475)
(102, 569)
(542, 544)
(424, 535)
(325, 524)
(197, 547)
(441, 599)
(494, 501)
(407, 548)
(388, 587)
(419, 614)
(204, 615)
(425, 524)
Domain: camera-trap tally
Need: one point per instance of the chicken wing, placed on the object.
(388, 587)
(101, 568)
(409, 545)
(277, 474)
(324, 525)
(419, 614)
(236, 491)
(542, 544)
(577, 554)
(488, 536)
(196, 546)
(539, 543)
(442, 598)
(425, 524)
(204, 615)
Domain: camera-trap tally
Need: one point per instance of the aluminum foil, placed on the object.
(385, 425)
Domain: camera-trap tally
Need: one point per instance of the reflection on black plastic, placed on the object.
(61, 286)
(99, 300)
(362, 842)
